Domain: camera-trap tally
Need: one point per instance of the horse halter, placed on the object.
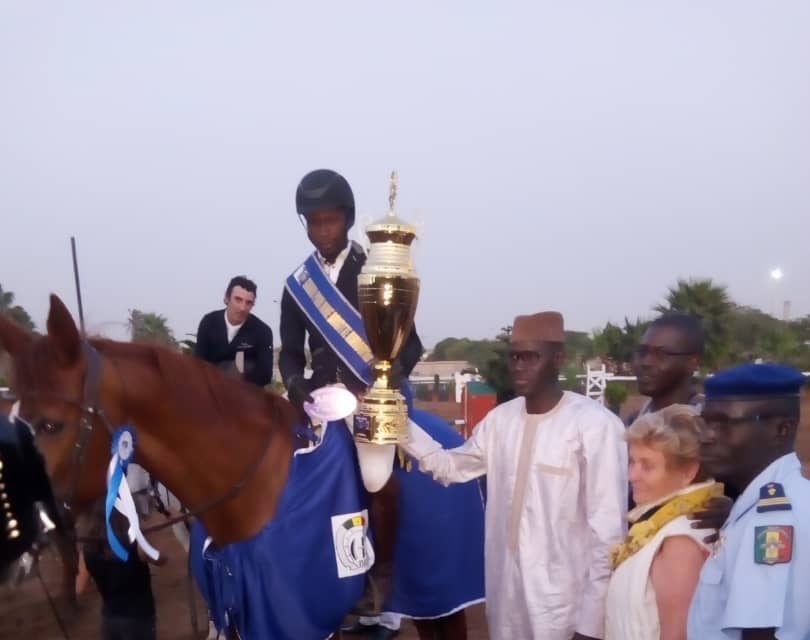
(89, 408)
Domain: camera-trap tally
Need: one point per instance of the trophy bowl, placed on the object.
(388, 291)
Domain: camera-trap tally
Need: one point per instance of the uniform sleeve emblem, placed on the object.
(773, 545)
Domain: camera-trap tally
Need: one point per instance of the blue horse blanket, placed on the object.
(299, 577)
(439, 548)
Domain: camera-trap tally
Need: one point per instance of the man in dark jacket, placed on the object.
(236, 340)
(325, 201)
(665, 362)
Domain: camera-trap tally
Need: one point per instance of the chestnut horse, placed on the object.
(224, 448)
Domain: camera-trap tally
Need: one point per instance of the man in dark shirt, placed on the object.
(236, 340)
(665, 362)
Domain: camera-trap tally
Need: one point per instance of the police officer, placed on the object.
(325, 201)
(234, 339)
(756, 583)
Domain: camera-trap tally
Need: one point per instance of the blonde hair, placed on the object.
(674, 431)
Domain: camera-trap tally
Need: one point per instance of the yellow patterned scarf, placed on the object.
(644, 530)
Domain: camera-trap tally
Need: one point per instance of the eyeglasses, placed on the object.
(722, 421)
(644, 350)
(528, 357)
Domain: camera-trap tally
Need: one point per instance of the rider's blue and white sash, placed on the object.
(338, 322)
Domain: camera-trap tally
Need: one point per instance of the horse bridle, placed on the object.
(89, 408)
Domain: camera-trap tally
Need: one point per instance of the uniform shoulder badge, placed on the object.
(773, 544)
(772, 498)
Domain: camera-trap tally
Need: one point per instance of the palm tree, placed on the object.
(150, 327)
(617, 343)
(711, 303)
(6, 300)
(15, 311)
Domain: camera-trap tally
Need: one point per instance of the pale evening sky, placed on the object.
(556, 155)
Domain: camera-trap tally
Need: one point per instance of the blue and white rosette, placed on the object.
(119, 496)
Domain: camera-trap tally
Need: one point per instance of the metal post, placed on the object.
(78, 286)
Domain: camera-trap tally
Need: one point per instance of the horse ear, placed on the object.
(13, 338)
(62, 329)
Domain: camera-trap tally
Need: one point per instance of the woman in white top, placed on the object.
(656, 568)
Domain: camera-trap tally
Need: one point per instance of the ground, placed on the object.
(24, 611)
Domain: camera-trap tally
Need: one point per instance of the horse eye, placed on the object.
(49, 428)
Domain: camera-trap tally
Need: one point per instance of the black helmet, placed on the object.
(324, 189)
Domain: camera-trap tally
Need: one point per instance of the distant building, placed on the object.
(453, 390)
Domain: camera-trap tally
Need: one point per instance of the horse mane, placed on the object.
(35, 366)
(206, 394)
(209, 395)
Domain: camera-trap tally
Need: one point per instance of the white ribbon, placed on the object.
(125, 505)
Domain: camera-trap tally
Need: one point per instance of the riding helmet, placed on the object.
(324, 189)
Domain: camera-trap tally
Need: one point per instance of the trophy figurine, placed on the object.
(388, 290)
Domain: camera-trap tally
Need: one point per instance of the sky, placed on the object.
(577, 156)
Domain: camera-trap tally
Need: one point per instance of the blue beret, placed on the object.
(755, 380)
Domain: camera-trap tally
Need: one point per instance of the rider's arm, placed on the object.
(460, 464)
(292, 360)
(262, 373)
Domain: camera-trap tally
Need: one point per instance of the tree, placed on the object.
(709, 302)
(618, 343)
(15, 311)
(496, 369)
(801, 327)
(615, 395)
(476, 352)
(754, 334)
(6, 299)
(150, 327)
(578, 348)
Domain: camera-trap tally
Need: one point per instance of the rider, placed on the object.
(325, 201)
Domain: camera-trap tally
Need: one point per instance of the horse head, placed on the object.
(222, 446)
(48, 377)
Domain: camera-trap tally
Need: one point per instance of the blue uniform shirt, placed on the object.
(759, 573)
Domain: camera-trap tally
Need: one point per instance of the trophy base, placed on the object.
(381, 418)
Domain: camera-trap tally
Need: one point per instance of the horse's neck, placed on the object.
(202, 461)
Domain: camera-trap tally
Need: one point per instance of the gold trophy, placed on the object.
(388, 290)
